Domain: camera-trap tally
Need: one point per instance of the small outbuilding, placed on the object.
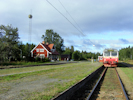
(65, 57)
(100, 58)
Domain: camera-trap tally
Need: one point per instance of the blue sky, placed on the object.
(103, 23)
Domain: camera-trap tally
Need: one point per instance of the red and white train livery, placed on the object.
(110, 57)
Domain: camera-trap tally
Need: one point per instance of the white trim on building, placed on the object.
(40, 48)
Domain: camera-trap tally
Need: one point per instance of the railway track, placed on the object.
(108, 87)
(104, 85)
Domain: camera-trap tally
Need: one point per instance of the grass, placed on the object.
(57, 69)
(126, 75)
(129, 61)
(109, 79)
(65, 74)
(19, 64)
(128, 72)
(72, 74)
(19, 76)
(27, 69)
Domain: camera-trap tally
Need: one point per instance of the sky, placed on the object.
(88, 25)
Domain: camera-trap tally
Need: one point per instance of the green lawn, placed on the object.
(27, 69)
(20, 63)
(62, 76)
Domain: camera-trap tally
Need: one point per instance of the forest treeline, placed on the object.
(126, 53)
(77, 55)
(14, 50)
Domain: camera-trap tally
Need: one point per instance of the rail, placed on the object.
(122, 87)
(88, 98)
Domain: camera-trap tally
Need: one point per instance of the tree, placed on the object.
(76, 55)
(83, 55)
(126, 53)
(53, 37)
(69, 51)
(9, 42)
(25, 49)
(72, 49)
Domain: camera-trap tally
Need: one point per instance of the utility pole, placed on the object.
(30, 30)
(30, 27)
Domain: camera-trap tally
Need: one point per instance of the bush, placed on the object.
(45, 60)
(37, 59)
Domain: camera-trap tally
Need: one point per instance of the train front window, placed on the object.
(106, 53)
(114, 53)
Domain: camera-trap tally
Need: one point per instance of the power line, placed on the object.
(65, 17)
(71, 16)
(68, 19)
(75, 22)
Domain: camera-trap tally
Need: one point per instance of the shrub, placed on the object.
(37, 59)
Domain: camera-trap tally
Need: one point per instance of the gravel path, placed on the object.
(19, 89)
(27, 86)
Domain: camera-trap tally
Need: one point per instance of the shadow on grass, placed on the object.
(123, 64)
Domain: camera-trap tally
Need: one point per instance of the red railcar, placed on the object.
(110, 57)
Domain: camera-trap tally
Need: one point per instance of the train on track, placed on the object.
(110, 57)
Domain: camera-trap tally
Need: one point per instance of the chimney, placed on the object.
(43, 42)
(47, 43)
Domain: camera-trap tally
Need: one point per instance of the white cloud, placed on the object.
(113, 20)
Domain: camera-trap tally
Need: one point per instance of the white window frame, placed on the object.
(37, 50)
(42, 55)
(114, 56)
(41, 50)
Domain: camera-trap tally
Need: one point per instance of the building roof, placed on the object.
(50, 46)
(46, 46)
